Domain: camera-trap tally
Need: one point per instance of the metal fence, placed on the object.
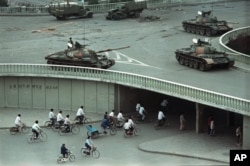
(218, 100)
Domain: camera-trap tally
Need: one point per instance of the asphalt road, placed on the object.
(114, 150)
(152, 43)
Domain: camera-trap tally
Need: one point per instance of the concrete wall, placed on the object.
(65, 94)
(246, 133)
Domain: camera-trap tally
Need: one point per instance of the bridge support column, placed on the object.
(199, 121)
(246, 133)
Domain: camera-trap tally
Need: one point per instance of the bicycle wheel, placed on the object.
(56, 127)
(96, 154)
(30, 138)
(87, 120)
(43, 136)
(75, 129)
(113, 131)
(71, 157)
(59, 160)
(62, 131)
(25, 129)
(137, 131)
(47, 124)
(13, 130)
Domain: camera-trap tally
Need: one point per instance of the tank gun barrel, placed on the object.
(112, 49)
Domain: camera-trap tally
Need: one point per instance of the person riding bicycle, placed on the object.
(52, 117)
(126, 126)
(67, 123)
(131, 124)
(36, 129)
(161, 118)
(112, 117)
(120, 118)
(18, 122)
(59, 118)
(80, 115)
(64, 151)
(105, 124)
(89, 144)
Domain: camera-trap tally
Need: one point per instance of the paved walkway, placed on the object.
(180, 143)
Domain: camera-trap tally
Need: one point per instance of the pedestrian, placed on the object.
(142, 113)
(182, 121)
(238, 135)
(137, 106)
(208, 124)
(161, 118)
(212, 127)
(164, 105)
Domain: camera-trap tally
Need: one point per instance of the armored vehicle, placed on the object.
(79, 55)
(127, 10)
(205, 24)
(66, 9)
(201, 55)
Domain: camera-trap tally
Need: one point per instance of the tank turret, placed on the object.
(80, 55)
(206, 24)
(203, 56)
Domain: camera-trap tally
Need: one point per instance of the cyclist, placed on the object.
(131, 124)
(120, 118)
(18, 122)
(67, 124)
(59, 118)
(105, 124)
(52, 116)
(64, 151)
(126, 126)
(80, 114)
(112, 116)
(36, 129)
(89, 144)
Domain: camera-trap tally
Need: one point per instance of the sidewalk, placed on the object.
(185, 143)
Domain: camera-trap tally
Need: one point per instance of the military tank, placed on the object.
(79, 55)
(201, 55)
(206, 24)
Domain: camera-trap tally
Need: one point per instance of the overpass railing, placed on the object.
(226, 102)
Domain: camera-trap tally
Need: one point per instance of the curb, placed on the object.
(181, 155)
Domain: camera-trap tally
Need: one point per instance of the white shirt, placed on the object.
(51, 114)
(79, 112)
(89, 142)
(18, 120)
(131, 123)
(36, 127)
(137, 107)
(112, 114)
(67, 121)
(59, 117)
(141, 110)
(120, 116)
(160, 115)
(126, 125)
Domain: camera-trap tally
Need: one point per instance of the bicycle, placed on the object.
(70, 157)
(93, 132)
(85, 120)
(31, 138)
(94, 152)
(73, 129)
(160, 125)
(14, 130)
(136, 131)
(48, 124)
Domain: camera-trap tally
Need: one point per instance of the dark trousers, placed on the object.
(34, 131)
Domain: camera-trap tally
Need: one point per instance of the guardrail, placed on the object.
(225, 38)
(226, 102)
